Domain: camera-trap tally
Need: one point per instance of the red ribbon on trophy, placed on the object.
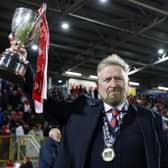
(39, 92)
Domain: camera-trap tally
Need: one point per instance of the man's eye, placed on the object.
(107, 79)
(118, 78)
(115, 79)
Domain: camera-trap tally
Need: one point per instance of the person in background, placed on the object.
(49, 149)
(9, 164)
(1, 117)
(27, 163)
(34, 132)
(19, 130)
(110, 131)
(40, 133)
(6, 129)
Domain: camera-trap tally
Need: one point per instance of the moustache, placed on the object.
(114, 89)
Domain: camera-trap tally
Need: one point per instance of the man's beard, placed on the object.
(114, 99)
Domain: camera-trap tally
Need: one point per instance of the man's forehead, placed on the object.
(111, 66)
(112, 69)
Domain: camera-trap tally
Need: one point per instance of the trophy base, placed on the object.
(11, 68)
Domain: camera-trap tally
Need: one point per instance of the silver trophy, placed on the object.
(25, 28)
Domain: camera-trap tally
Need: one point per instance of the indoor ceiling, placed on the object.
(134, 29)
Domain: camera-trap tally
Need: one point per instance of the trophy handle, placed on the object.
(31, 35)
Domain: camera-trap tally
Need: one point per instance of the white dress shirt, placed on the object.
(107, 107)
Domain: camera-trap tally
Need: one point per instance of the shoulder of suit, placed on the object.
(142, 111)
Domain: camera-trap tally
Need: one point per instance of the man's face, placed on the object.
(112, 84)
(55, 134)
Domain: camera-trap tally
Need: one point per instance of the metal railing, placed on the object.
(27, 145)
(5, 148)
(15, 148)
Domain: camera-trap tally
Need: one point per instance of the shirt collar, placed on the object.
(107, 107)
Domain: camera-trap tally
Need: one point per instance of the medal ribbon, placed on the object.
(39, 92)
(110, 136)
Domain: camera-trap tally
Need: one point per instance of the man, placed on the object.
(94, 135)
(49, 149)
(27, 163)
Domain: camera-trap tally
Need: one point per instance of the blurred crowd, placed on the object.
(17, 116)
(155, 103)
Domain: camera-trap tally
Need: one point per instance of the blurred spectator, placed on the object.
(1, 117)
(6, 129)
(49, 149)
(5, 99)
(19, 129)
(9, 164)
(17, 114)
(26, 103)
(27, 163)
(34, 132)
(40, 133)
(28, 116)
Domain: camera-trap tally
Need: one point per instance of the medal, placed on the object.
(108, 154)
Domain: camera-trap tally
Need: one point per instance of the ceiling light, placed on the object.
(92, 76)
(160, 51)
(73, 73)
(163, 88)
(34, 47)
(59, 81)
(103, 1)
(134, 83)
(65, 25)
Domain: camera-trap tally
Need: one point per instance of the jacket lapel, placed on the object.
(88, 124)
(146, 125)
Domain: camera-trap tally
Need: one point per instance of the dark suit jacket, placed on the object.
(80, 119)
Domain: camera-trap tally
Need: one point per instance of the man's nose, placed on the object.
(113, 82)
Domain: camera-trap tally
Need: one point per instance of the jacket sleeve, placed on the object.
(28, 81)
(55, 112)
(58, 112)
(163, 139)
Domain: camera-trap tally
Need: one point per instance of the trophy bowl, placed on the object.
(13, 61)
